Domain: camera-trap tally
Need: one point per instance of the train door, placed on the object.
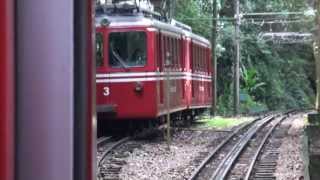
(103, 87)
(182, 69)
(6, 90)
(159, 64)
(187, 54)
(55, 137)
(192, 70)
(163, 47)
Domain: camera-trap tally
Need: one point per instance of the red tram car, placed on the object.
(137, 53)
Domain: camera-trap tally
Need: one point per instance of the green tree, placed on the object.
(274, 76)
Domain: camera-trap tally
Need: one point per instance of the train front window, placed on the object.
(127, 49)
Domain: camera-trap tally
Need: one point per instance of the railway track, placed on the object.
(235, 157)
(263, 165)
(248, 155)
(208, 161)
(101, 141)
(112, 153)
(109, 168)
(238, 156)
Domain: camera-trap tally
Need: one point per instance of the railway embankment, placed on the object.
(312, 146)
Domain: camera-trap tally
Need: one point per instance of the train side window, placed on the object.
(191, 56)
(172, 52)
(160, 50)
(156, 46)
(208, 60)
(194, 57)
(198, 58)
(167, 49)
(201, 57)
(175, 51)
(180, 56)
(202, 60)
(99, 50)
(178, 53)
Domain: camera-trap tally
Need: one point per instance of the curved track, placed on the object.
(106, 145)
(112, 152)
(259, 150)
(212, 160)
(220, 164)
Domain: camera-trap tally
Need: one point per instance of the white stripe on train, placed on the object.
(144, 79)
(144, 74)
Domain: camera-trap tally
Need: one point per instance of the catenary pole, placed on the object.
(316, 46)
(214, 57)
(237, 59)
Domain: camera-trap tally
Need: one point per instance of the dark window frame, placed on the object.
(100, 61)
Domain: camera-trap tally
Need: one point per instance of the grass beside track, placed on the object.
(221, 122)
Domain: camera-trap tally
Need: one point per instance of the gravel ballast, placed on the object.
(156, 161)
(290, 163)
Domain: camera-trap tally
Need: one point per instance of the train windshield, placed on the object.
(127, 49)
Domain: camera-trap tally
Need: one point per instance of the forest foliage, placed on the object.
(273, 76)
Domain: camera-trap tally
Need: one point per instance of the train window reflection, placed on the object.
(99, 49)
(127, 49)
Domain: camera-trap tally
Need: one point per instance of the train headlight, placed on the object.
(105, 22)
(139, 87)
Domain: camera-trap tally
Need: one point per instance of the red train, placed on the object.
(137, 53)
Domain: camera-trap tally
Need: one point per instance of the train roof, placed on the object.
(141, 21)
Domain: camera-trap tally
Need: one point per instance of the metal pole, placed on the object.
(237, 60)
(168, 99)
(214, 57)
(317, 56)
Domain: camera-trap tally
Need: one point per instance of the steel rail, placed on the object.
(119, 142)
(113, 146)
(218, 148)
(101, 141)
(225, 166)
(259, 150)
